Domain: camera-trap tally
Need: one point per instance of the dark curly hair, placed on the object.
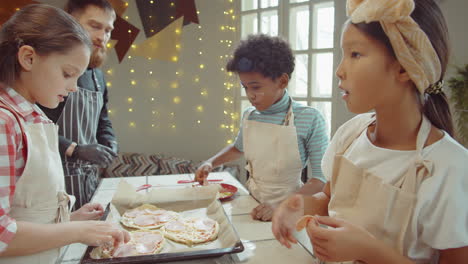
(270, 56)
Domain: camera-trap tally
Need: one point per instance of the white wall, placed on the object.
(457, 20)
(188, 139)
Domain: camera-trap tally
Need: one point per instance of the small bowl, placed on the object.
(227, 191)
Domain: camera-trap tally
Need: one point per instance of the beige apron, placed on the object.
(39, 196)
(383, 209)
(273, 158)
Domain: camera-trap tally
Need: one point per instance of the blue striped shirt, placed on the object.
(312, 135)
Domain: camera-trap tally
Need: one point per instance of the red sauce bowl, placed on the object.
(227, 188)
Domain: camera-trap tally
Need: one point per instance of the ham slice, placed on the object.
(205, 224)
(145, 220)
(133, 213)
(155, 212)
(151, 238)
(142, 243)
(304, 221)
(125, 250)
(145, 248)
(147, 242)
(175, 226)
(163, 218)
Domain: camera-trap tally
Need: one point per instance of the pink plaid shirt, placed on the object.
(13, 154)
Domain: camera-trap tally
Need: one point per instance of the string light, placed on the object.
(226, 31)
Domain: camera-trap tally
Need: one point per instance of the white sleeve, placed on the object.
(327, 160)
(442, 207)
(351, 128)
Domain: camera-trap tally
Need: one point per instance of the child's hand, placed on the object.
(98, 233)
(285, 217)
(202, 173)
(342, 242)
(89, 211)
(263, 212)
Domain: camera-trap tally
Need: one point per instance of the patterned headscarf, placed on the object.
(411, 45)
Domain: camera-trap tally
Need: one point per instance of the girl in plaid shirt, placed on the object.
(43, 51)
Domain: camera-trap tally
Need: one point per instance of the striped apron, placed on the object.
(79, 122)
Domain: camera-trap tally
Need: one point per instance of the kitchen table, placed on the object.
(258, 240)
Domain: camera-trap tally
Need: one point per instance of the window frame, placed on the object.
(339, 113)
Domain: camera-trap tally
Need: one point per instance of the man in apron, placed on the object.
(86, 138)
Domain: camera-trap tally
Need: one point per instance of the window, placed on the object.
(309, 26)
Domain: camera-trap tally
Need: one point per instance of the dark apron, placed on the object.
(79, 122)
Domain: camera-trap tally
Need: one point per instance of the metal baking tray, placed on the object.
(171, 256)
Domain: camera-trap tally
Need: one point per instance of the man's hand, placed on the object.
(113, 145)
(95, 153)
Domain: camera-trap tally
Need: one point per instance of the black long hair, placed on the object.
(429, 17)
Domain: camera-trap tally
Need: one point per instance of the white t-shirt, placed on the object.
(440, 219)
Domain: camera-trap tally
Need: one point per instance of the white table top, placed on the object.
(257, 237)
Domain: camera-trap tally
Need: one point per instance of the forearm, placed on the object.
(32, 238)
(311, 187)
(227, 154)
(377, 252)
(316, 204)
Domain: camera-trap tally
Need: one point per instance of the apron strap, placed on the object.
(289, 115)
(421, 168)
(63, 209)
(355, 133)
(246, 117)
